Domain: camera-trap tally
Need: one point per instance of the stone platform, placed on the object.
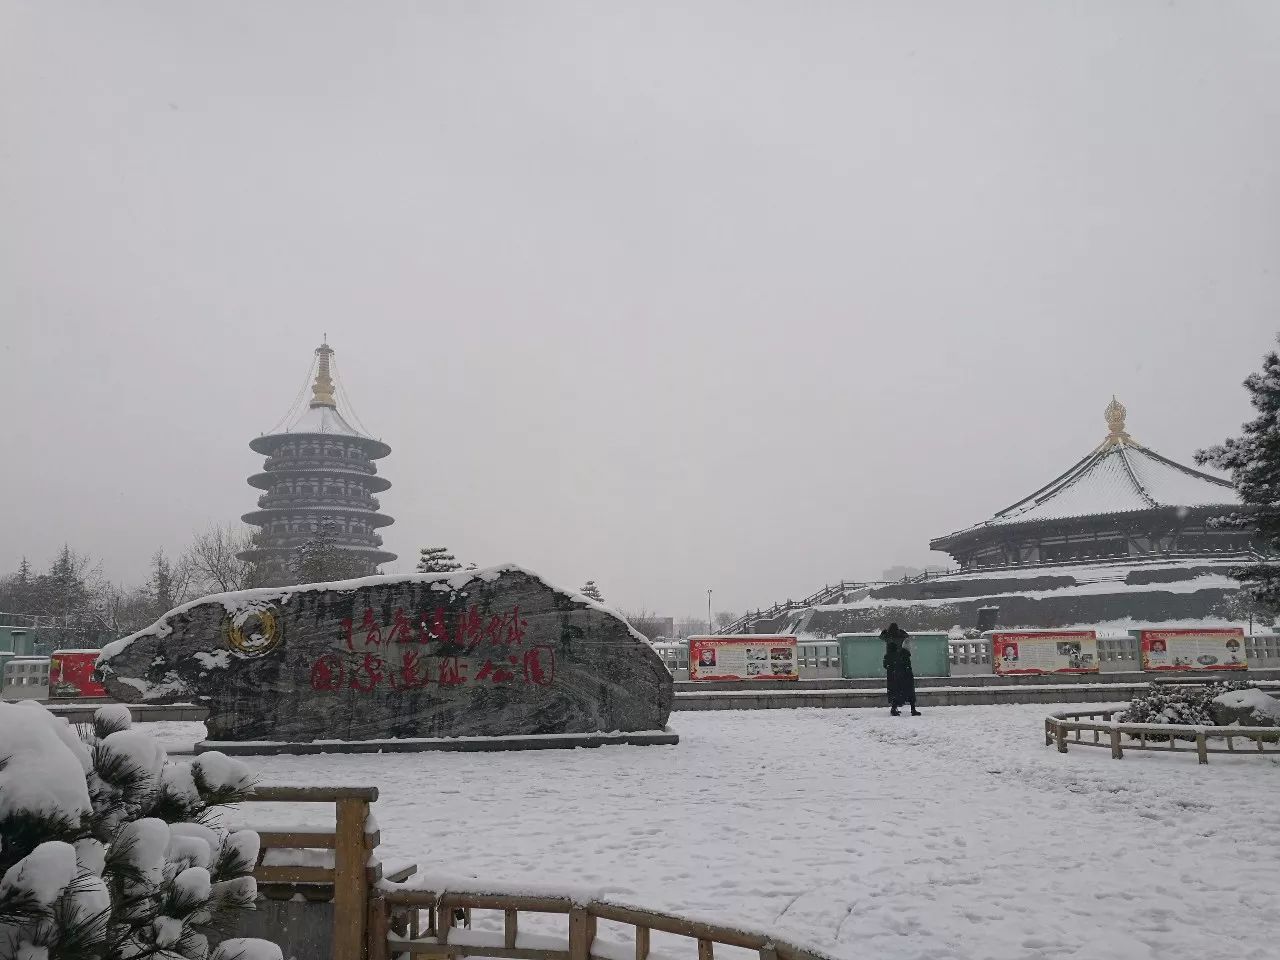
(546, 741)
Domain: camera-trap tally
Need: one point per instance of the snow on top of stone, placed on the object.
(324, 419)
(240, 603)
(1260, 702)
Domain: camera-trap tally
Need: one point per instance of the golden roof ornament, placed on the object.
(1115, 414)
(322, 389)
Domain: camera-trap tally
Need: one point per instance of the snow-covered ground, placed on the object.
(957, 834)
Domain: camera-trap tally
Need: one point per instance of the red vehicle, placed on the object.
(72, 674)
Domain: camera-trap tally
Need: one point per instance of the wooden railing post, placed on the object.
(642, 943)
(580, 933)
(350, 886)
(1060, 731)
(379, 928)
(1202, 746)
(1117, 751)
(510, 928)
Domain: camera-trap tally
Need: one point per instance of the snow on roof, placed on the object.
(1205, 581)
(324, 419)
(1117, 478)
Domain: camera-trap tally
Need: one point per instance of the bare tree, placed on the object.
(213, 560)
(691, 626)
(724, 618)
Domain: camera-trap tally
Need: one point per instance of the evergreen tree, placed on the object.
(18, 590)
(63, 592)
(1253, 460)
(24, 588)
(589, 589)
(160, 585)
(321, 559)
(110, 851)
(437, 560)
(1243, 605)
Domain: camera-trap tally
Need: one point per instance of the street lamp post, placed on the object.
(710, 629)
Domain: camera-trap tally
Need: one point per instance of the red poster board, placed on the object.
(1044, 652)
(1203, 648)
(71, 674)
(743, 658)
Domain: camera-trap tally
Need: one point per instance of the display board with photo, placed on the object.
(743, 658)
(1044, 651)
(1195, 649)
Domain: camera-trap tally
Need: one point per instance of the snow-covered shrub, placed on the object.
(109, 850)
(1190, 705)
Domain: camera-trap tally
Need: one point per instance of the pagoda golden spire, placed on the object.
(1115, 416)
(322, 389)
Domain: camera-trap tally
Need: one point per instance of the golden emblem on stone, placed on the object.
(253, 631)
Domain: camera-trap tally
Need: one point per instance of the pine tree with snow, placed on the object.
(321, 558)
(1253, 460)
(437, 560)
(590, 590)
(108, 850)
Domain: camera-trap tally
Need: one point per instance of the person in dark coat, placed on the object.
(897, 665)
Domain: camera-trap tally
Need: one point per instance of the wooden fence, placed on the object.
(443, 938)
(376, 917)
(1071, 726)
(353, 845)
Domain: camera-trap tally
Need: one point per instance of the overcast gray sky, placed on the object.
(672, 295)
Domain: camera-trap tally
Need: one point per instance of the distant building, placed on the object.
(1121, 502)
(655, 627)
(1123, 537)
(318, 470)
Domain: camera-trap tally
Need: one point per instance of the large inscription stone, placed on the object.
(493, 652)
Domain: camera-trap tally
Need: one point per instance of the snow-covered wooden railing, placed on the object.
(405, 907)
(1070, 726)
(354, 868)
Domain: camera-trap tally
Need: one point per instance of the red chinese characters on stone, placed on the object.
(464, 630)
(391, 656)
(328, 673)
(367, 672)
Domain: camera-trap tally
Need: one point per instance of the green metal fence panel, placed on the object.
(862, 655)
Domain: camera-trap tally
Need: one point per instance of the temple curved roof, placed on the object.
(1120, 476)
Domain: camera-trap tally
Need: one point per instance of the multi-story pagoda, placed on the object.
(319, 474)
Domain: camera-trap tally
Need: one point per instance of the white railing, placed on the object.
(674, 655)
(815, 660)
(818, 659)
(26, 678)
(1122, 650)
(1262, 648)
(969, 657)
